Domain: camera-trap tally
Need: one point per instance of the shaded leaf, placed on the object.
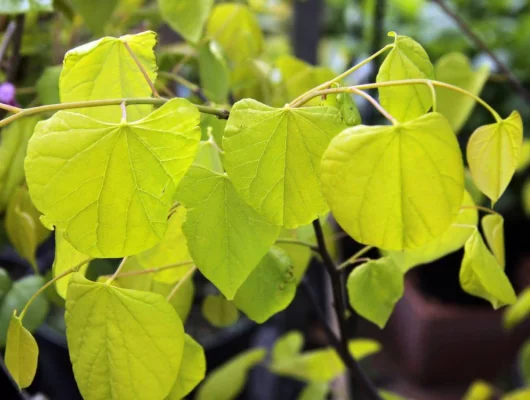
(493, 228)
(314, 391)
(287, 346)
(219, 311)
(66, 257)
(96, 13)
(48, 85)
(518, 312)
(214, 74)
(186, 17)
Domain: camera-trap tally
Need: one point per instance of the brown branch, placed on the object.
(514, 82)
(341, 344)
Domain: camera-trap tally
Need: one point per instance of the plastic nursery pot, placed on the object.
(443, 343)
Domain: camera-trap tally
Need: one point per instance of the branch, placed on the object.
(8, 35)
(16, 43)
(185, 278)
(514, 82)
(298, 242)
(341, 345)
(218, 112)
(184, 82)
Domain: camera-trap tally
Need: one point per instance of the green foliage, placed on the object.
(24, 6)
(524, 362)
(66, 257)
(455, 69)
(138, 157)
(374, 288)
(228, 380)
(272, 153)
(406, 60)
(21, 353)
(408, 182)
(186, 17)
(270, 287)
(518, 312)
(213, 72)
(493, 154)
(493, 228)
(192, 369)
(84, 78)
(95, 13)
(16, 299)
(482, 276)
(139, 336)
(479, 390)
(219, 311)
(5, 283)
(48, 85)
(314, 391)
(13, 147)
(226, 238)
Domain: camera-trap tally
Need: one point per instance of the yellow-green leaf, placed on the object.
(322, 365)
(451, 240)
(182, 300)
(493, 154)
(287, 346)
(518, 312)
(119, 205)
(524, 156)
(519, 394)
(406, 60)
(214, 74)
(482, 276)
(66, 257)
(455, 69)
(386, 395)
(525, 197)
(374, 288)
(25, 6)
(23, 227)
(48, 85)
(479, 390)
(13, 146)
(192, 369)
(172, 249)
(219, 311)
(272, 156)
(21, 354)
(95, 13)
(235, 27)
(270, 287)
(208, 156)
(493, 228)
(524, 362)
(123, 343)
(104, 69)
(186, 17)
(314, 391)
(228, 380)
(226, 238)
(21, 291)
(395, 187)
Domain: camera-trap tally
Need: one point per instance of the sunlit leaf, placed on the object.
(228, 380)
(524, 156)
(479, 390)
(272, 156)
(482, 276)
(48, 85)
(66, 257)
(186, 17)
(138, 336)
(493, 228)
(119, 205)
(226, 238)
(104, 69)
(214, 74)
(219, 311)
(395, 187)
(518, 312)
(23, 227)
(518, 394)
(192, 369)
(21, 353)
(493, 154)
(374, 289)
(16, 299)
(455, 69)
(208, 157)
(322, 365)
(407, 60)
(183, 298)
(450, 241)
(287, 346)
(95, 13)
(13, 146)
(235, 27)
(386, 395)
(270, 287)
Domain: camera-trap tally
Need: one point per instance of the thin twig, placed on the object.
(153, 270)
(374, 102)
(185, 278)
(184, 82)
(514, 82)
(142, 69)
(339, 304)
(298, 242)
(355, 257)
(20, 113)
(8, 35)
(116, 273)
(15, 49)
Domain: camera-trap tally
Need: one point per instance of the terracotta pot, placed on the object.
(439, 343)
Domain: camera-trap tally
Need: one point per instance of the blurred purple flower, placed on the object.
(7, 94)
